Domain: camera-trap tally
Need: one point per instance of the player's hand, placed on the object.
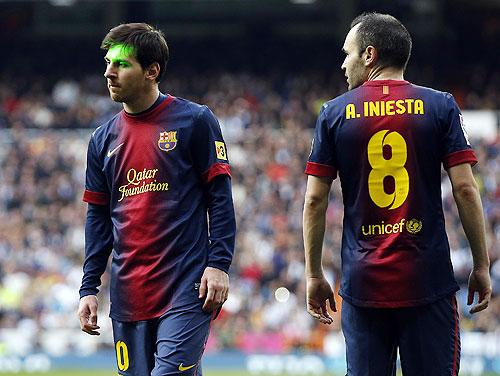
(318, 293)
(87, 313)
(214, 288)
(479, 281)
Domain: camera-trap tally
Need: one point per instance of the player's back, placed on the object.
(387, 140)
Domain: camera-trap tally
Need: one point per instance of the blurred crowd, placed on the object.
(267, 123)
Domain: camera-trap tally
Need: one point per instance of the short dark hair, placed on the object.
(149, 44)
(387, 34)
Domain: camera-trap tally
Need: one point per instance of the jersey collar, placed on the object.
(152, 111)
(385, 82)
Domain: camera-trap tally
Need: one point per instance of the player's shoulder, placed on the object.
(105, 128)
(189, 106)
(339, 102)
(442, 98)
(334, 108)
(198, 112)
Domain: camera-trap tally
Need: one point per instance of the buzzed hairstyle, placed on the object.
(149, 44)
(388, 35)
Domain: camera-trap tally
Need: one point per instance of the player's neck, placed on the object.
(385, 73)
(143, 102)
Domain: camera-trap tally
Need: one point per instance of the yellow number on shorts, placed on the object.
(382, 167)
(122, 355)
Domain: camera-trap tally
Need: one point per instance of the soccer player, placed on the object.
(159, 200)
(387, 139)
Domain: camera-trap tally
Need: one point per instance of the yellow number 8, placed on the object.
(382, 167)
(122, 355)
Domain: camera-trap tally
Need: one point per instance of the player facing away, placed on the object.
(159, 200)
(387, 139)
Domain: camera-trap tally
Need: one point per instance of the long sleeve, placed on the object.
(222, 223)
(98, 246)
(211, 160)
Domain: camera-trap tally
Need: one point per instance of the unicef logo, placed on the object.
(413, 226)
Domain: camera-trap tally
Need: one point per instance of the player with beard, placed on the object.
(154, 172)
(387, 139)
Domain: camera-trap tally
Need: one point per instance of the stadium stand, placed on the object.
(267, 122)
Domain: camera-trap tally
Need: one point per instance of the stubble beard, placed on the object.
(357, 76)
(354, 82)
(352, 87)
(115, 97)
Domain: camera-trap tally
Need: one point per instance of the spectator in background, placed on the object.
(40, 263)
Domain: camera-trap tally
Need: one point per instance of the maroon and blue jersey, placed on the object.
(387, 141)
(153, 180)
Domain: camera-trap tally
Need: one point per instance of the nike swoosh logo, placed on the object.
(182, 368)
(111, 152)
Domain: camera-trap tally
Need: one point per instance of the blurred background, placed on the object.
(264, 67)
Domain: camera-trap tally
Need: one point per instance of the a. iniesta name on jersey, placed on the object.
(141, 182)
(385, 108)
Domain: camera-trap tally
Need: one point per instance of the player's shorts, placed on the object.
(169, 345)
(427, 337)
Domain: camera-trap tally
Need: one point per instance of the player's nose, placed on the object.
(344, 64)
(109, 72)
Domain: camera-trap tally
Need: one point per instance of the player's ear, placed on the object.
(153, 71)
(370, 56)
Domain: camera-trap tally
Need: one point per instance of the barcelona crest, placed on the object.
(167, 140)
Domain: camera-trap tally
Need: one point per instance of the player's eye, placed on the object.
(123, 64)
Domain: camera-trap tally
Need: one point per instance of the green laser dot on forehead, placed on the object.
(120, 52)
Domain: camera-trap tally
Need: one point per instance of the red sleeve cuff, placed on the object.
(214, 170)
(318, 169)
(460, 157)
(97, 198)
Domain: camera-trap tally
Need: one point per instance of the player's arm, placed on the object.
(314, 220)
(321, 168)
(457, 159)
(470, 210)
(211, 161)
(98, 246)
(222, 228)
(98, 240)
